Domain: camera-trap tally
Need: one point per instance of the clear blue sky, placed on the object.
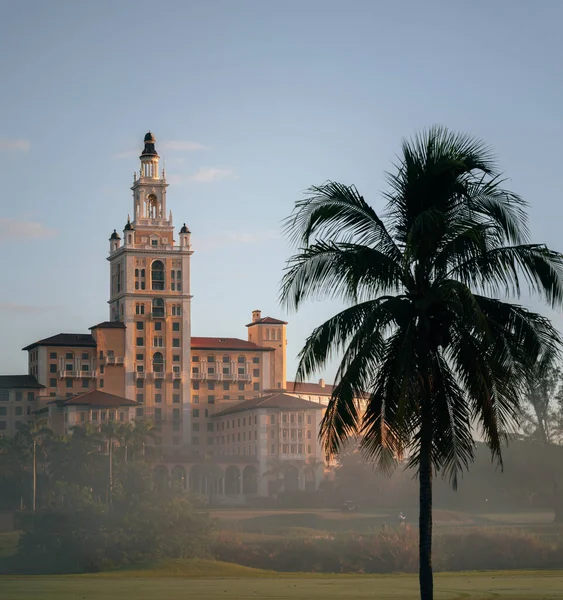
(282, 95)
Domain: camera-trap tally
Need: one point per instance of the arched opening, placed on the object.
(161, 478)
(157, 362)
(290, 479)
(158, 307)
(118, 278)
(157, 275)
(179, 478)
(250, 480)
(232, 481)
(153, 208)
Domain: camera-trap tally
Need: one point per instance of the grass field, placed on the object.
(207, 580)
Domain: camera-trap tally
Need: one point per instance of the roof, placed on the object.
(279, 400)
(109, 325)
(215, 343)
(99, 398)
(8, 382)
(309, 388)
(267, 321)
(82, 340)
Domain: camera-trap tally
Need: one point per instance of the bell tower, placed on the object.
(150, 294)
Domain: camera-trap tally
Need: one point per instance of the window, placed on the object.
(175, 358)
(139, 325)
(175, 342)
(176, 398)
(226, 397)
(211, 399)
(140, 341)
(2, 425)
(139, 398)
(102, 383)
(175, 326)
(226, 386)
(158, 341)
(176, 384)
(256, 373)
(140, 383)
(158, 398)
(175, 414)
(68, 383)
(52, 382)
(195, 399)
(158, 414)
(211, 370)
(157, 362)
(154, 243)
(256, 387)
(94, 415)
(30, 397)
(241, 360)
(52, 368)
(195, 385)
(158, 326)
(241, 386)
(53, 355)
(158, 384)
(3, 411)
(85, 356)
(195, 358)
(82, 416)
(241, 397)
(85, 383)
(256, 360)
(158, 307)
(210, 385)
(157, 272)
(175, 426)
(195, 413)
(139, 412)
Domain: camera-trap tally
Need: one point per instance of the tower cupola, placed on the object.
(114, 241)
(185, 235)
(149, 158)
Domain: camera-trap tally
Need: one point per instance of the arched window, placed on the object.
(157, 275)
(153, 208)
(279, 334)
(173, 310)
(157, 362)
(158, 307)
(118, 277)
(267, 334)
(178, 310)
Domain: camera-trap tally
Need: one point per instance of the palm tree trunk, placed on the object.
(34, 475)
(425, 506)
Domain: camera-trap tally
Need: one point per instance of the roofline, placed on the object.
(103, 325)
(232, 349)
(61, 345)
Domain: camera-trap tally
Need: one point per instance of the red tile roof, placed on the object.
(80, 340)
(279, 400)
(99, 399)
(267, 321)
(309, 388)
(215, 343)
(108, 325)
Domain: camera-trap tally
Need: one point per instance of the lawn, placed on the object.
(235, 583)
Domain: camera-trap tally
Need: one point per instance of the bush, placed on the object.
(66, 541)
(390, 550)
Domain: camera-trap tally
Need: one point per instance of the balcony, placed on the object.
(159, 314)
(229, 377)
(176, 373)
(140, 374)
(159, 374)
(110, 360)
(119, 360)
(64, 373)
(244, 377)
(198, 376)
(213, 377)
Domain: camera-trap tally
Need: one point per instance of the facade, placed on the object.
(145, 359)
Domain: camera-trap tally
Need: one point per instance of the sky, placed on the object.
(251, 102)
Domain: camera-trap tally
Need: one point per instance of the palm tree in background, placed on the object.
(424, 335)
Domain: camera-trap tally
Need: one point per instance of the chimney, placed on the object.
(256, 315)
(322, 382)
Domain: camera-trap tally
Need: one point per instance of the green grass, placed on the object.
(208, 580)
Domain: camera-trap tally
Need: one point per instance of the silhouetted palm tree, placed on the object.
(424, 336)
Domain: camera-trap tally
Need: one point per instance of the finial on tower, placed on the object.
(149, 149)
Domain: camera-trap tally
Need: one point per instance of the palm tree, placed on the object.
(423, 337)
(312, 464)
